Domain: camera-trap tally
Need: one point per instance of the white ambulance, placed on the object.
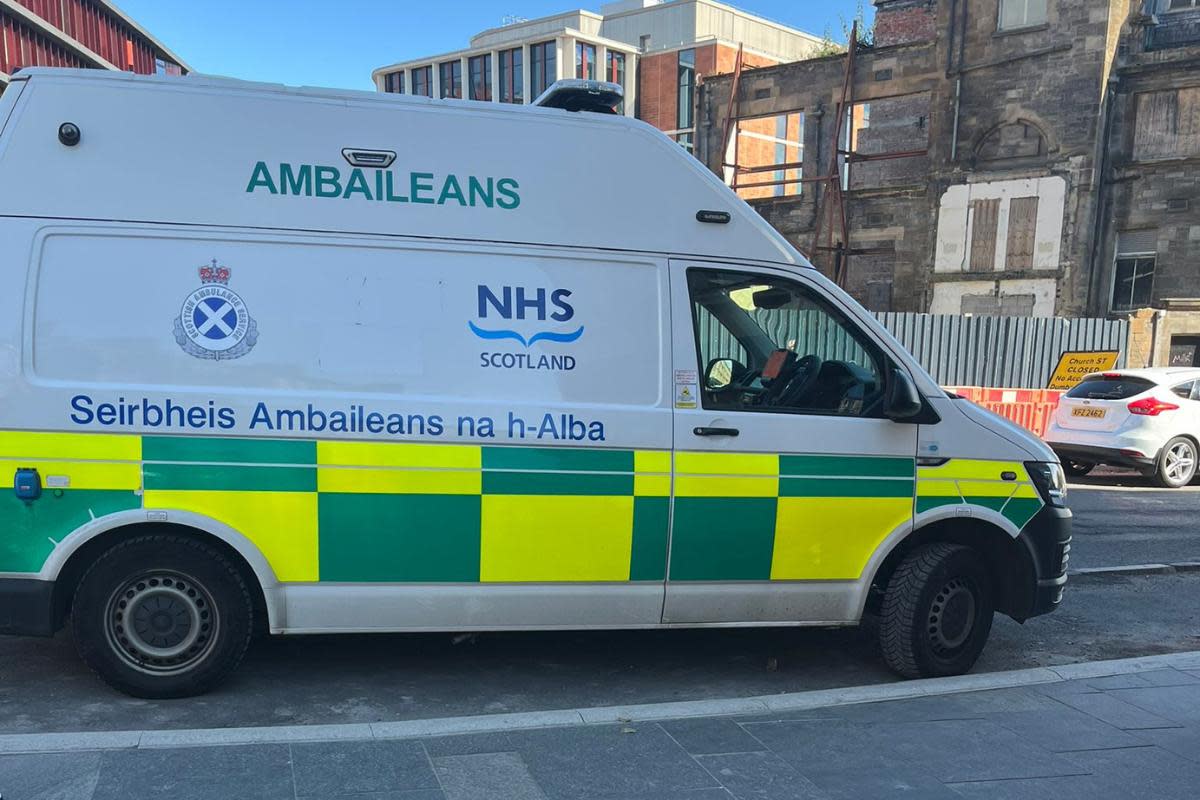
(316, 361)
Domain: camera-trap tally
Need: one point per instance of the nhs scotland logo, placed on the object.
(526, 316)
(213, 322)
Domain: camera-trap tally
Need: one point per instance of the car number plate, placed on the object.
(1090, 413)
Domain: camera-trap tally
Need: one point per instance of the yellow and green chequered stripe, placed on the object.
(407, 512)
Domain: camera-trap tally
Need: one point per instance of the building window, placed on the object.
(543, 67)
(770, 154)
(585, 61)
(686, 103)
(450, 77)
(1022, 232)
(1017, 14)
(422, 81)
(394, 82)
(985, 216)
(479, 70)
(686, 140)
(614, 72)
(1133, 282)
(644, 42)
(1180, 5)
(512, 78)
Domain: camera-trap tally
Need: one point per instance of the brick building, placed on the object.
(78, 33)
(658, 50)
(1052, 150)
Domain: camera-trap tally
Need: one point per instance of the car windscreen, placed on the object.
(1110, 387)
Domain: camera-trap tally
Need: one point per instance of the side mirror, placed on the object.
(902, 400)
(720, 372)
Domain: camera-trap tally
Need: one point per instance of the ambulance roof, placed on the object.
(217, 151)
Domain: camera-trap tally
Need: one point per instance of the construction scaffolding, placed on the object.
(831, 229)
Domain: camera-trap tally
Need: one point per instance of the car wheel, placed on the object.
(1077, 469)
(1176, 463)
(937, 612)
(162, 616)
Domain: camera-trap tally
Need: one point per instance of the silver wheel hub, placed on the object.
(161, 622)
(952, 616)
(1180, 462)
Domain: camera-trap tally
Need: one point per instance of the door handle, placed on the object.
(702, 431)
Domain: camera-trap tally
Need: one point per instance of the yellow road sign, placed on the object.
(1074, 365)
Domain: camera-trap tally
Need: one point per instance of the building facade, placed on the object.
(78, 33)
(1018, 157)
(658, 51)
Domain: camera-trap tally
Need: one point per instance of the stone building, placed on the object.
(1047, 145)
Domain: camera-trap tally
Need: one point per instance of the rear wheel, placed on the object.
(1077, 469)
(937, 612)
(1176, 463)
(162, 616)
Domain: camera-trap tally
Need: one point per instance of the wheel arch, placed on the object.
(70, 559)
(1007, 554)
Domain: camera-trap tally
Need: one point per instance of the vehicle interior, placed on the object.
(769, 344)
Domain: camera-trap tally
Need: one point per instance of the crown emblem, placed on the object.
(214, 274)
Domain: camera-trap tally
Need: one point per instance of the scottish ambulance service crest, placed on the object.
(213, 322)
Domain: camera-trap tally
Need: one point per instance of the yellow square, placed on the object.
(823, 538)
(550, 539)
(282, 525)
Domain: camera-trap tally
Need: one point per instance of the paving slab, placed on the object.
(323, 768)
(760, 776)
(711, 736)
(1109, 708)
(263, 772)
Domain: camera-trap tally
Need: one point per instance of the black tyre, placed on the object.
(937, 612)
(1077, 469)
(162, 615)
(1176, 464)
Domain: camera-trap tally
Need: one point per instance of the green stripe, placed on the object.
(1020, 510)
(235, 451)
(843, 487)
(929, 503)
(28, 531)
(558, 458)
(556, 483)
(848, 466)
(994, 503)
(723, 538)
(407, 538)
(203, 477)
(648, 557)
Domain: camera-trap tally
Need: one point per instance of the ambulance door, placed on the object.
(787, 473)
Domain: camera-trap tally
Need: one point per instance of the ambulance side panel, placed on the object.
(413, 436)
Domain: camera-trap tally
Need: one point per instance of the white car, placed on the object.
(1147, 419)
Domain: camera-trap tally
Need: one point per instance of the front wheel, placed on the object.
(937, 612)
(1176, 463)
(162, 616)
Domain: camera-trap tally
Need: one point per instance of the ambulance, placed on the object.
(294, 361)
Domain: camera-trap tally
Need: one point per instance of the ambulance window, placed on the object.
(769, 344)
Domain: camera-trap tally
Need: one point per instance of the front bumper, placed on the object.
(26, 607)
(1048, 537)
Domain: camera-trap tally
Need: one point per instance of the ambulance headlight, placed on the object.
(1050, 480)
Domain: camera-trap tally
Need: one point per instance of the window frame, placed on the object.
(512, 64)
(1025, 25)
(1169, 6)
(1135, 258)
(427, 73)
(485, 74)
(882, 362)
(581, 49)
(615, 64)
(454, 67)
(543, 67)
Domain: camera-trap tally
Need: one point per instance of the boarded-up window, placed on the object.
(985, 215)
(1022, 232)
(1167, 125)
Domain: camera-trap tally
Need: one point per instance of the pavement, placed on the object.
(1101, 730)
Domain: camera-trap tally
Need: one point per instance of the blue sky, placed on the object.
(339, 42)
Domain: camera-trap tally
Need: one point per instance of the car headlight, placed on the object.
(1050, 480)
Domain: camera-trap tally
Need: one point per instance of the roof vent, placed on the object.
(575, 94)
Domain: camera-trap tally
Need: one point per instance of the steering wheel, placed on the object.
(803, 380)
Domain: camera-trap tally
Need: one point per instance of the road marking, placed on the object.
(496, 723)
